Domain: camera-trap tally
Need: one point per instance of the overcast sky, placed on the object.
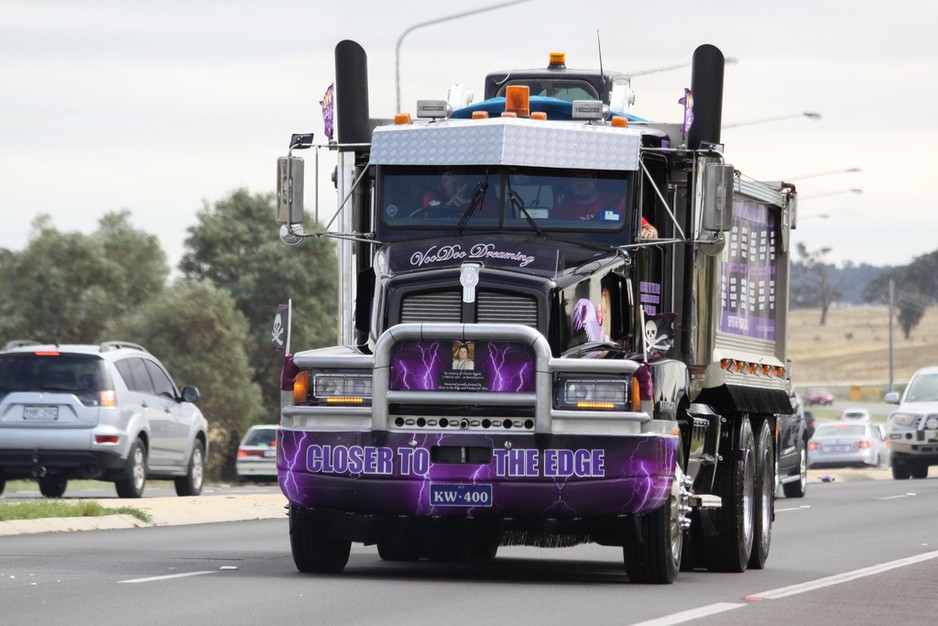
(160, 107)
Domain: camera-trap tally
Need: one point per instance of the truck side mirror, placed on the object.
(892, 397)
(717, 196)
(289, 190)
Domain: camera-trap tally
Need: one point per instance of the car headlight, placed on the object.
(342, 388)
(593, 394)
(903, 419)
(932, 422)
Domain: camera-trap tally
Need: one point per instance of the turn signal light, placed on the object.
(301, 387)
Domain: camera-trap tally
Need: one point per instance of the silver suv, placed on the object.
(107, 412)
(912, 429)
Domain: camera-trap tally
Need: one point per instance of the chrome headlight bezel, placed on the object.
(338, 387)
(590, 393)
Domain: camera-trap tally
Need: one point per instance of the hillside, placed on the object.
(853, 348)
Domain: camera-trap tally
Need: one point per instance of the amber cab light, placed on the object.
(301, 387)
(517, 100)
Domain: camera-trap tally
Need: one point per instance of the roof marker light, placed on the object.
(620, 122)
(402, 118)
(480, 115)
(538, 115)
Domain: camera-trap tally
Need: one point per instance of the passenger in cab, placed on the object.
(586, 202)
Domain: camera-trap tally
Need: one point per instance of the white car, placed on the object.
(913, 427)
(257, 454)
(855, 415)
(107, 412)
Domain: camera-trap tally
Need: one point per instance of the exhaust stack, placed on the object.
(707, 88)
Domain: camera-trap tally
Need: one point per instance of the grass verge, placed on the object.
(56, 508)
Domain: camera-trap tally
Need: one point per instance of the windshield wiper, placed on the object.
(478, 195)
(518, 203)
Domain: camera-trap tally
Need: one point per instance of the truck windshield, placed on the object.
(480, 198)
(564, 89)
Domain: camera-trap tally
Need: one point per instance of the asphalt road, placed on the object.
(819, 571)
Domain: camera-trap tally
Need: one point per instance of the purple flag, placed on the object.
(328, 110)
(688, 102)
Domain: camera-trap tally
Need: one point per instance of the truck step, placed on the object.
(704, 501)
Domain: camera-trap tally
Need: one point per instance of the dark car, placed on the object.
(809, 425)
(791, 450)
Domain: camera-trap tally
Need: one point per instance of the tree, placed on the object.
(235, 247)
(911, 307)
(817, 288)
(198, 334)
(915, 286)
(65, 287)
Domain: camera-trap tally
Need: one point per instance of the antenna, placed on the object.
(599, 46)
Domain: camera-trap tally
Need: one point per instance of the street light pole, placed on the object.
(668, 68)
(831, 193)
(397, 48)
(849, 170)
(808, 114)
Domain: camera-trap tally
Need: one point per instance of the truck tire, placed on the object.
(798, 488)
(764, 500)
(191, 483)
(729, 549)
(654, 542)
(315, 552)
(397, 551)
(919, 469)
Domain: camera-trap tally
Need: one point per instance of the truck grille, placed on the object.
(493, 307)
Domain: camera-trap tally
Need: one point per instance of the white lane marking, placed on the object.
(783, 592)
(803, 507)
(904, 495)
(836, 579)
(166, 577)
(692, 614)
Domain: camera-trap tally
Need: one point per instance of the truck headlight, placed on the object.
(342, 388)
(593, 394)
(932, 422)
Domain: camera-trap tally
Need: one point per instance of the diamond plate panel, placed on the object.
(507, 141)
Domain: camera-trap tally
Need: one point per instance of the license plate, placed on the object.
(460, 495)
(41, 413)
(269, 454)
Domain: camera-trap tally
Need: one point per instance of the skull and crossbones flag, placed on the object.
(280, 336)
(659, 334)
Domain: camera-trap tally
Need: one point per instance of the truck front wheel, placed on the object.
(730, 548)
(654, 541)
(314, 551)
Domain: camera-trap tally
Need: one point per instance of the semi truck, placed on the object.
(511, 372)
